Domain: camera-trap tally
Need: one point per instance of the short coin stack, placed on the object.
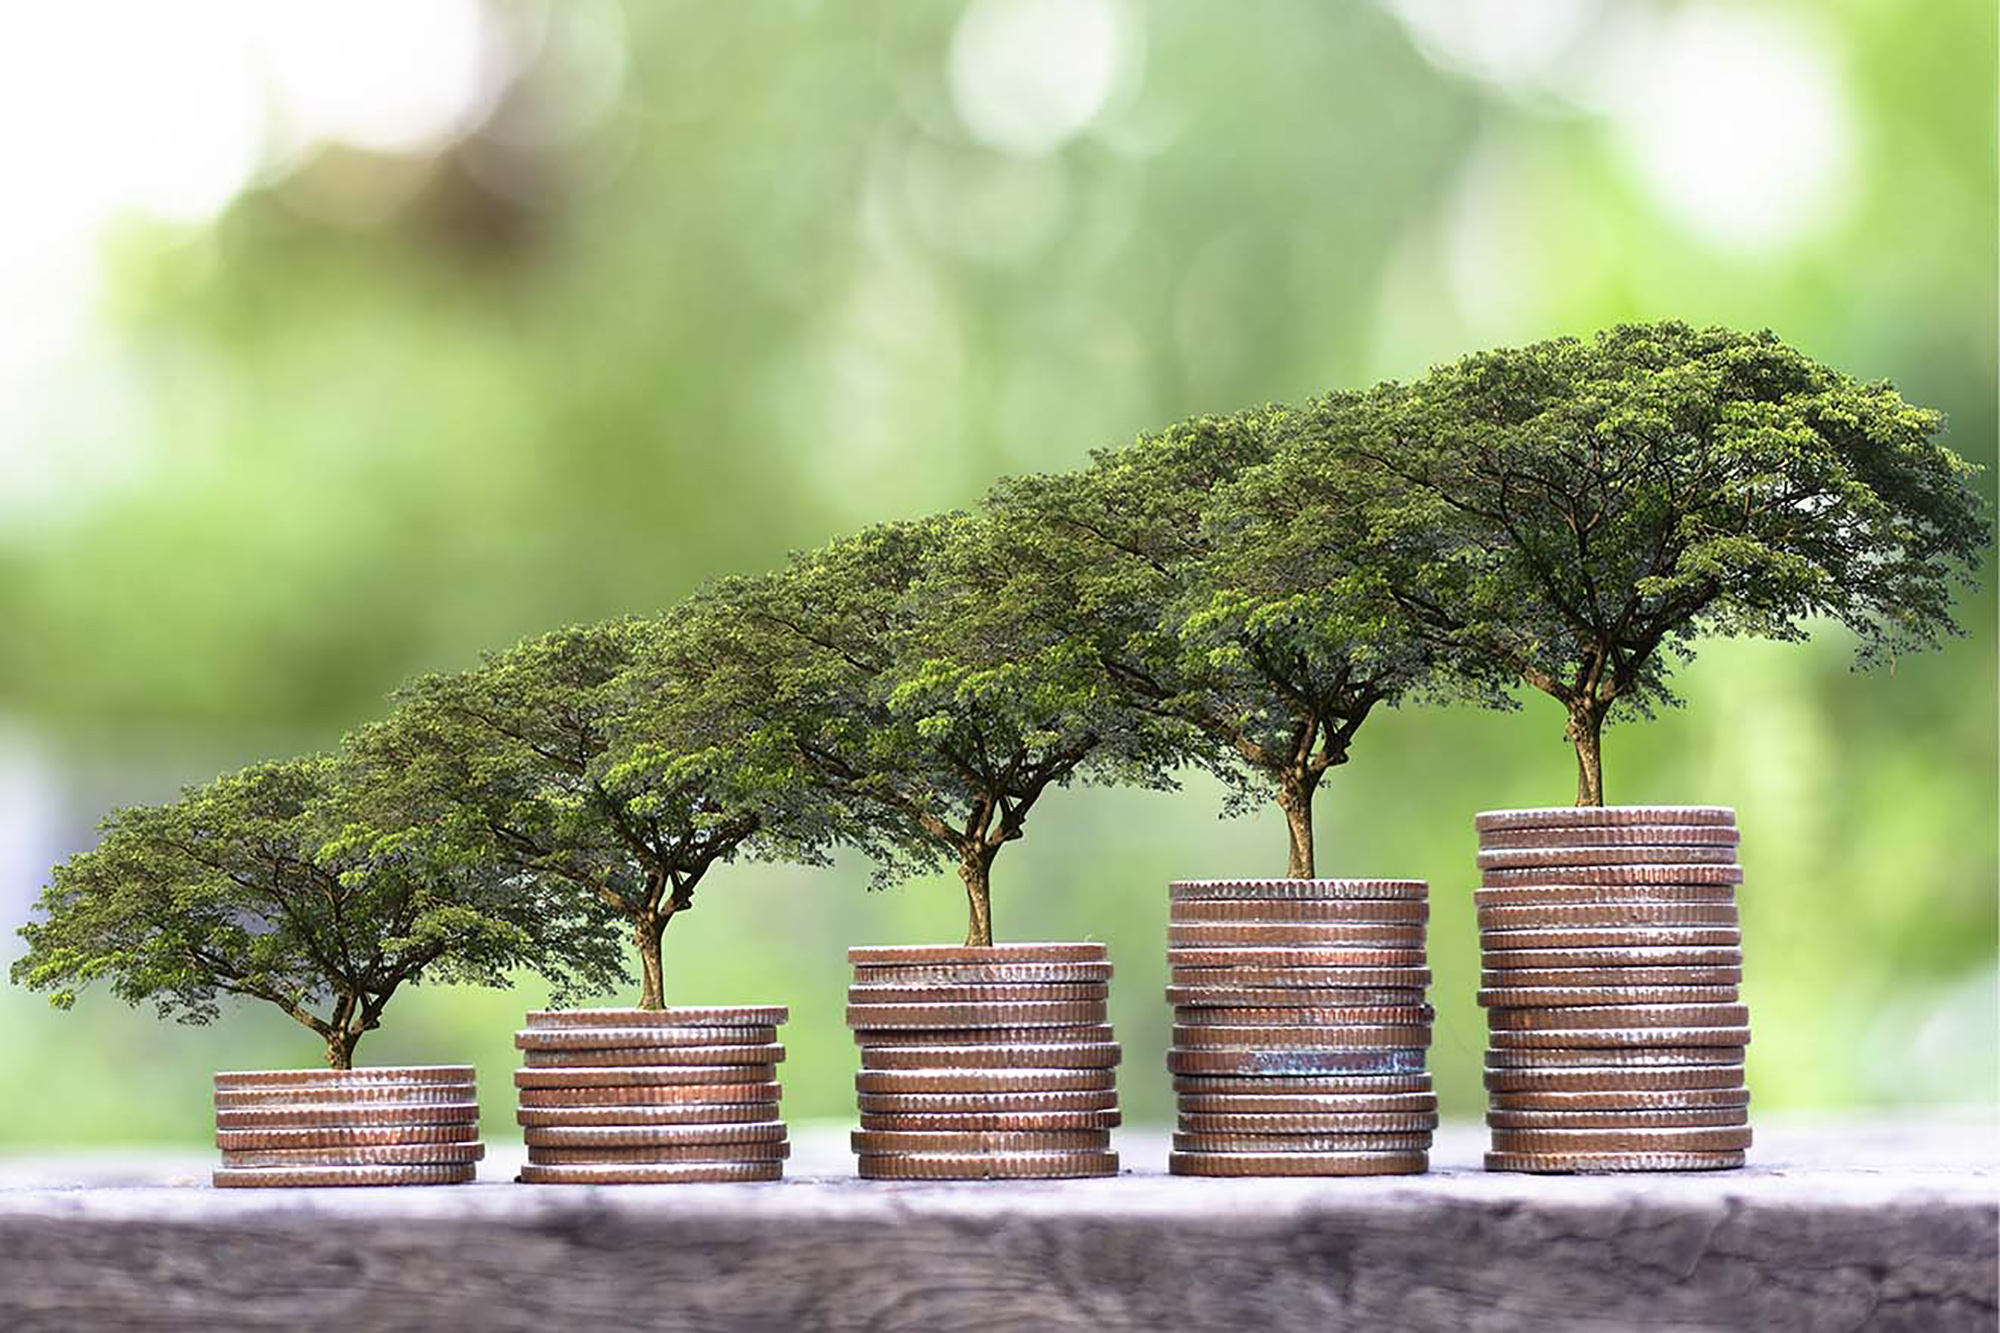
(392, 1126)
(983, 1063)
(1611, 954)
(651, 1096)
(1300, 1027)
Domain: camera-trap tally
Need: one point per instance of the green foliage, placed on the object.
(272, 885)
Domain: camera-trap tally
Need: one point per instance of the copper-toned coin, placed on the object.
(1302, 1143)
(407, 1093)
(1301, 1038)
(1565, 978)
(1286, 889)
(1209, 1105)
(1055, 1013)
(651, 1136)
(1676, 1118)
(647, 1076)
(629, 1056)
(984, 1103)
(1310, 1085)
(1620, 1081)
(1402, 1015)
(1295, 1063)
(665, 1096)
(985, 1166)
(1732, 1138)
(662, 1038)
(1192, 998)
(634, 1173)
(1621, 1016)
(1613, 1057)
(287, 1177)
(1305, 978)
(707, 1015)
(1024, 994)
(1521, 858)
(345, 1078)
(1268, 958)
(1572, 1039)
(992, 1120)
(349, 1137)
(870, 1142)
(1602, 816)
(1343, 1122)
(1608, 915)
(1619, 937)
(1615, 835)
(973, 974)
(1605, 895)
(1060, 1055)
(984, 1080)
(1073, 1033)
(1294, 934)
(1522, 997)
(389, 1154)
(1572, 1103)
(1298, 1164)
(903, 955)
(1581, 957)
(1381, 911)
(1646, 874)
(1587, 1163)
(301, 1115)
(661, 1156)
(695, 1113)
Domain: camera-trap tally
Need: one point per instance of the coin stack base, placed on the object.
(651, 1096)
(1300, 1027)
(410, 1125)
(983, 1063)
(1611, 959)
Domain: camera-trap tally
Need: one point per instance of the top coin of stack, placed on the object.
(415, 1125)
(983, 1063)
(651, 1096)
(1611, 953)
(1300, 1027)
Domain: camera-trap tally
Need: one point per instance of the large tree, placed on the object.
(1581, 512)
(916, 693)
(1160, 560)
(573, 760)
(277, 884)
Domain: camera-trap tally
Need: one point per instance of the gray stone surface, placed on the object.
(1838, 1225)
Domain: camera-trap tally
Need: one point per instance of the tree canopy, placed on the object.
(272, 884)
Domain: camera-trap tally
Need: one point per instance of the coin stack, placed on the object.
(993, 1063)
(1300, 1027)
(651, 1096)
(392, 1126)
(1611, 955)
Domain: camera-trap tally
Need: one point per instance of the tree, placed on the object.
(562, 758)
(1163, 562)
(270, 884)
(1580, 513)
(916, 694)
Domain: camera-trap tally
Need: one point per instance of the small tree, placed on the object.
(271, 885)
(917, 695)
(1580, 513)
(562, 758)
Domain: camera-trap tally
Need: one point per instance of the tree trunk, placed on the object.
(1586, 732)
(646, 932)
(340, 1046)
(1295, 795)
(976, 869)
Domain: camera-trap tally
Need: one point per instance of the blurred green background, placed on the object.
(341, 342)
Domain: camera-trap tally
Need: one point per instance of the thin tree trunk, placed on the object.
(1586, 732)
(976, 869)
(1295, 795)
(646, 932)
(340, 1046)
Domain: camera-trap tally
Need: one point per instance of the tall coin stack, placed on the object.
(993, 1063)
(1611, 954)
(651, 1096)
(392, 1126)
(1300, 1027)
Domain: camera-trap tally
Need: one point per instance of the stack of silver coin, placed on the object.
(1612, 958)
(651, 1096)
(1300, 1027)
(414, 1125)
(983, 1063)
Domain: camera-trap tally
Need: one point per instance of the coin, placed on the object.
(1060, 1055)
(1568, 916)
(1302, 1143)
(1205, 1015)
(647, 1076)
(1551, 997)
(1621, 1016)
(1296, 1062)
(1340, 1122)
(346, 1137)
(633, 1173)
(1587, 1163)
(305, 1115)
(1649, 1118)
(994, 974)
(867, 1142)
(1612, 1057)
(887, 1038)
(665, 1038)
(1264, 1105)
(668, 1096)
(991, 1120)
(631, 1056)
(1315, 934)
(1511, 858)
(1602, 816)
(693, 1113)
(1731, 1138)
(1289, 889)
(1621, 1080)
(1301, 1038)
(1268, 958)
(868, 1017)
(285, 1177)
(957, 994)
(955, 1103)
(727, 1016)
(1190, 998)
(1646, 956)
(1308, 978)
(1572, 1103)
(1628, 874)
(984, 1080)
(1565, 978)
(1382, 911)
(661, 1156)
(1588, 895)
(985, 1166)
(406, 1093)
(1369, 1085)
(346, 1078)
(388, 1154)
(1627, 937)
(1573, 1039)
(1614, 835)
(895, 955)
(651, 1136)
(1298, 1164)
